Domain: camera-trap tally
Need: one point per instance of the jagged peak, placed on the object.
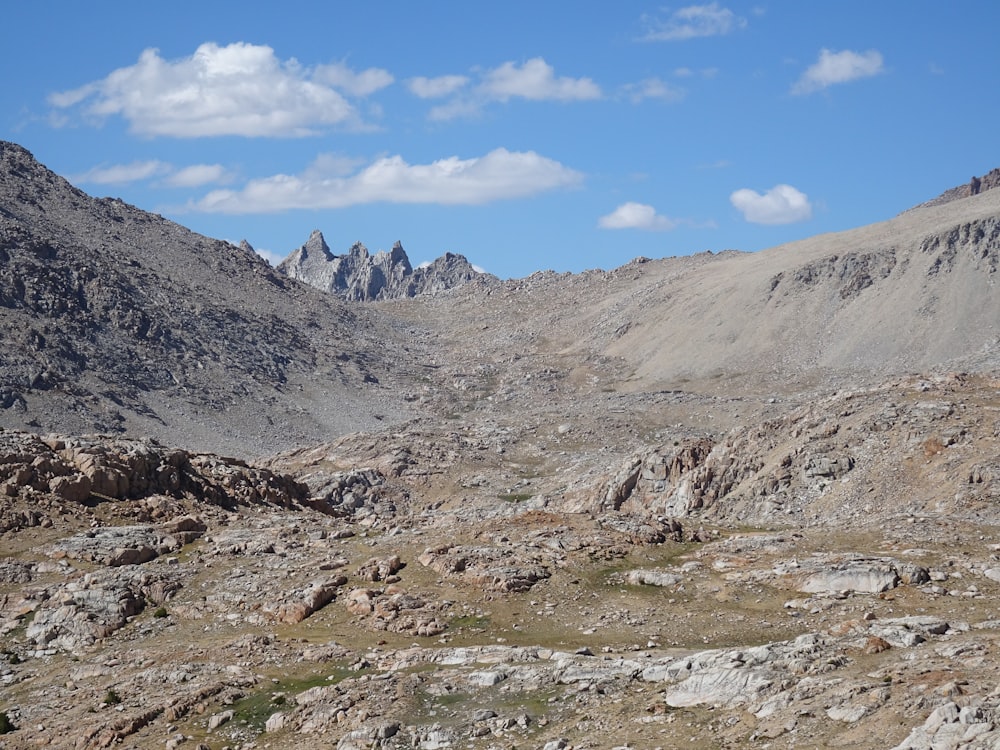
(316, 245)
(358, 249)
(398, 256)
(359, 275)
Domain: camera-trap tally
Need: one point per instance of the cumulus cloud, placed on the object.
(636, 216)
(535, 80)
(197, 175)
(782, 204)
(435, 88)
(692, 22)
(240, 89)
(653, 88)
(499, 175)
(838, 67)
(119, 174)
(354, 83)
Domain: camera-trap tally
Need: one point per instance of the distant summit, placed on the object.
(360, 276)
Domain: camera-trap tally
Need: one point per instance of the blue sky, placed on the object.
(524, 135)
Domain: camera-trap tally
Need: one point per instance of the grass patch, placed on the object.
(476, 622)
(450, 699)
(254, 710)
(515, 497)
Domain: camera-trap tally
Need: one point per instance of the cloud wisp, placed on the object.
(436, 88)
(121, 174)
(782, 204)
(838, 67)
(498, 175)
(692, 22)
(534, 80)
(240, 89)
(652, 88)
(198, 175)
(192, 176)
(355, 83)
(636, 216)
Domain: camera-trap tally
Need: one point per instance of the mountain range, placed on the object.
(723, 500)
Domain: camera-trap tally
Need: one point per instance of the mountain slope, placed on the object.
(914, 293)
(114, 319)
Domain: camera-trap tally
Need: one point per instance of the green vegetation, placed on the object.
(450, 699)
(160, 612)
(480, 622)
(254, 710)
(515, 497)
(111, 698)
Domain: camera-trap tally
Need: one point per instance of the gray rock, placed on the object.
(865, 578)
(362, 277)
(275, 722)
(652, 578)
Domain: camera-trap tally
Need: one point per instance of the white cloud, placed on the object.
(119, 174)
(691, 22)
(435, 88)
(241, 89)
(782, 204)
(343, 78)
(535, 80)
(197, 175)
(653, 88)
(499, 175)
(455, 109)
(636, 216)
(838, 67)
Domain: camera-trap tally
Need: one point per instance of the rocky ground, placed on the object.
(824, 576)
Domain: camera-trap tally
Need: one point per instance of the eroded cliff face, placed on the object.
(361, 277)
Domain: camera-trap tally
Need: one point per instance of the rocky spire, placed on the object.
(360, 276)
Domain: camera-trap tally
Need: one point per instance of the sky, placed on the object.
(524, 135)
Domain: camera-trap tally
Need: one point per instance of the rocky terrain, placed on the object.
(724, 501)
(974, 186)
(361, 277)
(117, 320)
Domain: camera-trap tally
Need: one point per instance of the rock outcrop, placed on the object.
(974, 186)
(361, 277)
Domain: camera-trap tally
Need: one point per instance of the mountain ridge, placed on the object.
(116, 319)
(362, 277)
